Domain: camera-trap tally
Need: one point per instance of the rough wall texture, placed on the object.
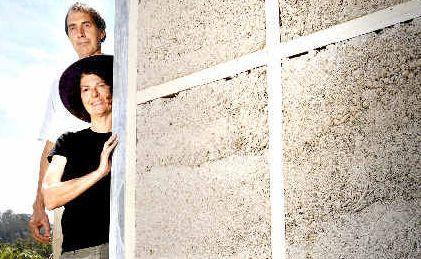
(300, 18)
(203, 182)
(177, 38)
(352, 147)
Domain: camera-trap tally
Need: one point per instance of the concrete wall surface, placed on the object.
(352, 114)
(299, 18)
(177, 38)
(202, 177)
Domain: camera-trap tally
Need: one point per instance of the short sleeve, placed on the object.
(61, 147)
(50, 111)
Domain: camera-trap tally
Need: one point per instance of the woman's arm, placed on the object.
(57, 193)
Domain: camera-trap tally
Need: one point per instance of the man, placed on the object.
(85, 29)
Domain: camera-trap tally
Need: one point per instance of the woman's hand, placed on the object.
(105, 164)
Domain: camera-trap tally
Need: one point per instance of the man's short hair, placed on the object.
(96, 17)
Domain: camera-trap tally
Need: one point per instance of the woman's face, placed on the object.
(96, 95)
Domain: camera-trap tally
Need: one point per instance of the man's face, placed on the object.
(83, 34)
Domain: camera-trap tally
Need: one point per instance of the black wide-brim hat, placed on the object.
(69, 86)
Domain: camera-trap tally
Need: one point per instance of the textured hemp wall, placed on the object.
(351, 135)
(203, 181)
(301, 18)
(181, 37)
(352, 116)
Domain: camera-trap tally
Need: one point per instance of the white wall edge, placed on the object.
(118, 171)
(130, 186)
(275, 121)
(347, 30)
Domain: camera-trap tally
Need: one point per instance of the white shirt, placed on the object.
(57, 119)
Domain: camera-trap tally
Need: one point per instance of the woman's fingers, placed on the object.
(105, 161)
(110, 140)
(110, 144)
(114, 143)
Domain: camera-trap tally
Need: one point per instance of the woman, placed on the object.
(78, 177)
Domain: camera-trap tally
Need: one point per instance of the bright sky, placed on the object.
(34, 50)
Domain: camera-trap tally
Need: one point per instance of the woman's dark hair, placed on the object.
(104, 75)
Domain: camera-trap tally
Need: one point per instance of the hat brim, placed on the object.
(69, 85)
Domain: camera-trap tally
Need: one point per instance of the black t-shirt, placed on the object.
(86, 219)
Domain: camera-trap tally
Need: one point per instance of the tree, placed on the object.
(13, 226)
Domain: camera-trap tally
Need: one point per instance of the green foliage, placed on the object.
(24, 249)
(15, 240)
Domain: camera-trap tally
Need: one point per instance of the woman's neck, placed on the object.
(101, 124)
